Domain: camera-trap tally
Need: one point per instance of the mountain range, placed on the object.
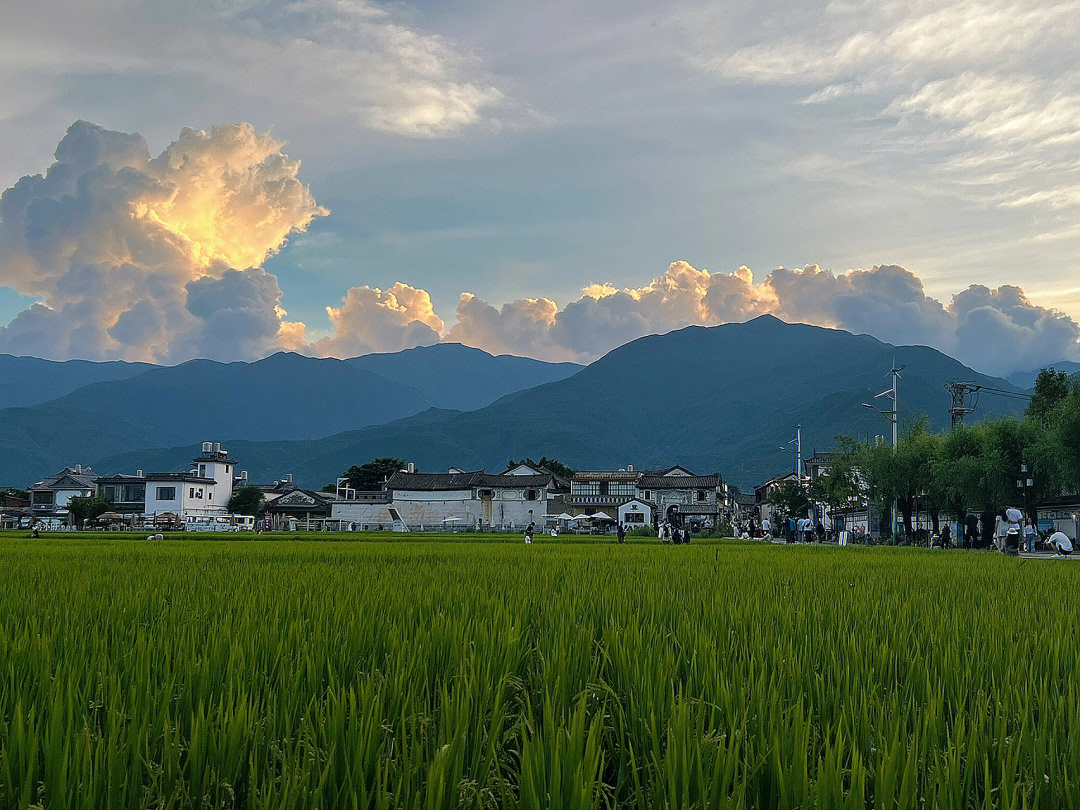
(121, 406)
(1026, 379)
(723, 398)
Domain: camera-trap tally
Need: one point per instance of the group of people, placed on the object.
(1016, 533)
(673, 533)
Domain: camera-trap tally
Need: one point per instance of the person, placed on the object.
(766, 529)
(946, 536)
(1029, 535)
(529, 532)
(620, 533)
(1060, 544)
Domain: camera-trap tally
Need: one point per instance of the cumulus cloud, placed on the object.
(149, 258)
(998, 331)
(374, 320)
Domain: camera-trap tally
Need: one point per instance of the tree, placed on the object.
(839, 484)
(82, 509)
(373, 475)
(790, 499)
(1051, 389)
(246, 500)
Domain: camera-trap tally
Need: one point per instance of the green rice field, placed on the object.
(464, 672)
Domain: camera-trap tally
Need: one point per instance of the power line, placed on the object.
(961, 391)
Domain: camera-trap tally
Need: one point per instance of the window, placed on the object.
(531, 495)
(702, 495)
(634, 517)
(43, 498)
(621, 489)
(202, 471)
(166, 493)
(191, 492)
(585, 487)
(109, 493)
(647, 495)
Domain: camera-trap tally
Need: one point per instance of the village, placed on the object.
(215, 496)
(524, 494)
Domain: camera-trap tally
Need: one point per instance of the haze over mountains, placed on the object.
(713, 398)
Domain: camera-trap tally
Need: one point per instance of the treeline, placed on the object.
(976, 469)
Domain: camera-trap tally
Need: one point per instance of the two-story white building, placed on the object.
(632, 496)
(510, 500)
(49, 497)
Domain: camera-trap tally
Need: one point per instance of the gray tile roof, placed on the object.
(679, 481)
(434, 482)
(67, 478)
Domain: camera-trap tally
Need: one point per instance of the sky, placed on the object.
(226, 179)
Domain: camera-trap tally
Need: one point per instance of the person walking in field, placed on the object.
(620, 533)
(529, 533)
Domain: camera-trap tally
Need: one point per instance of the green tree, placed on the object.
(840, 483)
(373, 475)
(1052, 388)
(82, 509)
(246, 500)
(790, 499)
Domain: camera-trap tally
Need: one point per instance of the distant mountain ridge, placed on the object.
(721, 398)
(1026, 379)
(134, 407)
(26, 381)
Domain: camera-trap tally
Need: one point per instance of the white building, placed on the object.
(49, 497)
(636, 513)
(675, 494)
(455, 499)
(181, 494)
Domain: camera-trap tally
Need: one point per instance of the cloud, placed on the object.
(352, 62)
(980, 98)
(140, 258)
(998, 331)
(374, 320)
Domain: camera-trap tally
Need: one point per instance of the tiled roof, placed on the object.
(67, 479)
(607, 475)
(432, 482)
(679, 481)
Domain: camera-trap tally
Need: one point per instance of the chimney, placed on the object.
(243, 475)
(217, 447)
(410, 467)
(78, 468)
(207, 447)
(139, 474)
(288, 478)
(629, 467)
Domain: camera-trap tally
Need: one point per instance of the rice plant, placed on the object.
(429, 674)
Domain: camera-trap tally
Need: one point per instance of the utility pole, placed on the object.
(892, 415)
(958, 391)
(798, 452)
